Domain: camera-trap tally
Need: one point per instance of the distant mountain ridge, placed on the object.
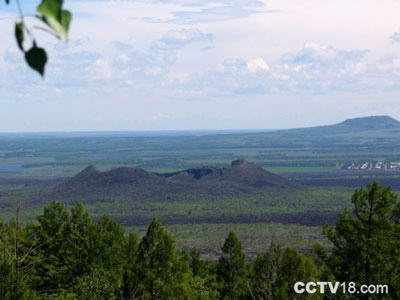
(371, 123)
(135, 184)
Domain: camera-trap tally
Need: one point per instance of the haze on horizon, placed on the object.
(210, 65)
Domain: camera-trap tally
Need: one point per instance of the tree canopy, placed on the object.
(66, 254)
(366, 242)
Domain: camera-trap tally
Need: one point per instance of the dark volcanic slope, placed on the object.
(241, 173)
(242, 178)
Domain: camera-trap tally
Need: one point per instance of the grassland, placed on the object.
(30, 163)
(65, 155)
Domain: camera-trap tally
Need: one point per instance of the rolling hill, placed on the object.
(349, 126)
(135, 184)
(240, 193)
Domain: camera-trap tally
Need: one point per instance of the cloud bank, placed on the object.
(165, 62)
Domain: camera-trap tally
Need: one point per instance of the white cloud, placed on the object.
(314, 69)
(314, 54)
(175, 39)
(102, 70)
(395, 37)
(207, 15)
(257, 64)
(148, 56)
(195, 12)
(175, 78)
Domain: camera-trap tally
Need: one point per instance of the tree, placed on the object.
(130, 280)
(197, 265)
(99, 284)
(57, 22)
(203, 282)
(366, 243)
(13, 283)
(266, 268)
(231, 268)
(277, 270)
(52, 260)
(162, 272)
(110, 246)
(70, 246)
(295, 267)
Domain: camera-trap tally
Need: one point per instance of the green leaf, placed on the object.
(36, 58)
(66, 17)
(54, 16)
(50, 8)
(19, 35)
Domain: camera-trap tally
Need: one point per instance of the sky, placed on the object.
(220, 64)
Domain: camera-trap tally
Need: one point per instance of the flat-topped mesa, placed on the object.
(371, 122)
(370, 126)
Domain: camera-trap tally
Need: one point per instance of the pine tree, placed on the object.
(231, 269)
(203, 282)
(52, 272)
(130, 279)
(162, 273)
(366, 243)
(13, 283)
(295, 267)
(197, 265)
(266, 268)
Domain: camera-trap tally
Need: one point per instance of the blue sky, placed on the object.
(221, 64)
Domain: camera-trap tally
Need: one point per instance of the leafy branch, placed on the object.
(57, 21)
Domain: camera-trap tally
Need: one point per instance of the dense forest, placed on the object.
(67, 254)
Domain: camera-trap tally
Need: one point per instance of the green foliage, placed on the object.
(265, 272)
(231, 269)
(13, 282)
(203, 288)
(197, 265)
(295, 267)
(67, 254)
(19, 35)
(52, 14)
(69, 245)
(277, 270)
(366, 243)
(12, 286)
(203, 283)
(99, 284)
(53, 256)
(36, 58)
(163, 274)
(130, 279)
